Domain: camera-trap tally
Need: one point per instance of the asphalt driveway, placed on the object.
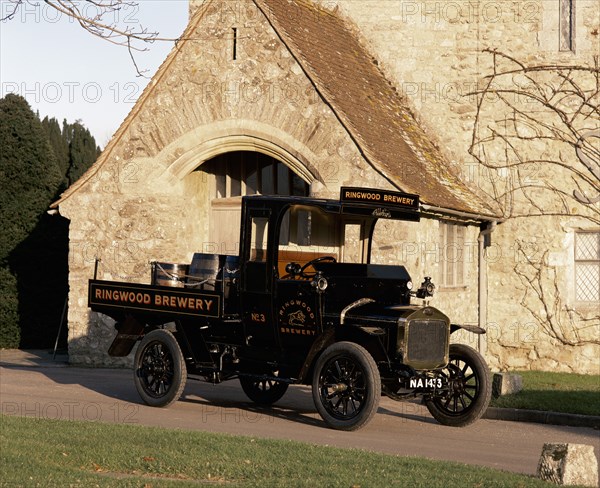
(38, 387)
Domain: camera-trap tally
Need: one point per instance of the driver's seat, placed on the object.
(301, 257)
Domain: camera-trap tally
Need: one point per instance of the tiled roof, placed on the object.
(372, 111)
(350, 81)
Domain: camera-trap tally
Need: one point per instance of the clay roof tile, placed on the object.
(349, 78)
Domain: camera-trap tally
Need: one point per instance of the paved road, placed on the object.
(398, 428)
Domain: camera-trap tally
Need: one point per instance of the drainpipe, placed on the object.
(483, 241)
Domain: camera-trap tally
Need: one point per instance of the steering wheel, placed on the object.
(314, 261)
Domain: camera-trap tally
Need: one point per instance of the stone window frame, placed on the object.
(566, 28)
(452, 271)
(584, 264)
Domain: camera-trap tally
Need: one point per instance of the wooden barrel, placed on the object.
(169, 274)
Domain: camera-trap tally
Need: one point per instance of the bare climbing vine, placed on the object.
(542, 299)
(537, 129)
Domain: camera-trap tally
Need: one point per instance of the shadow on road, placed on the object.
(275, 411)
(117, 384)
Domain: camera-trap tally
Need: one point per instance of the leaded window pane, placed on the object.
(587, 266)
(587, 246)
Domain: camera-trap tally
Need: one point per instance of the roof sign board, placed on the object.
(378, 203)
(379, 197)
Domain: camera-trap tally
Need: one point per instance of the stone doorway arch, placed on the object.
(189, 161)
(206, 142)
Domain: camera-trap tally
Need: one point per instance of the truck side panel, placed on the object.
(134, 306)
(111, 297)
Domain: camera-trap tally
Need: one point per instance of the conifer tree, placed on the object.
(37, 161)
(29, 173)
(9, 315)
(83, 151)
(59, 144)
(29, 179)
(74, 147)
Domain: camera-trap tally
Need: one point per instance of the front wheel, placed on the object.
(159, 371)
(469, 389)
(346, 386)
(263, 391)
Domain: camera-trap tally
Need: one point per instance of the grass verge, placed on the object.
(557, 392)
(43, 453)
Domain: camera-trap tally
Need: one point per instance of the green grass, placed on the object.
(46, 453)
(557, 392)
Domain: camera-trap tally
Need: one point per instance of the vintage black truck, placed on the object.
(301, 304)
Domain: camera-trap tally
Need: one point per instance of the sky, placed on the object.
(65, 72)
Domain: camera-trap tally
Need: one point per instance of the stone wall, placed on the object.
(145, 202)
(435, 53)
(434, 50)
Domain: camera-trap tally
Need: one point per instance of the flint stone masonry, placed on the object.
(506, 384)
(568, 464)
(148, 200)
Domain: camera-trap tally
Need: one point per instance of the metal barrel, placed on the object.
(169, 274)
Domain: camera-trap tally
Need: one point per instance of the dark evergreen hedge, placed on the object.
(38, 160)
(29, 173)
(9, 318)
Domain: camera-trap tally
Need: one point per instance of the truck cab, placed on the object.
(302, 303)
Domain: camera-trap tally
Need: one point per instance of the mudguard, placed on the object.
(475, 329)
(128, 332)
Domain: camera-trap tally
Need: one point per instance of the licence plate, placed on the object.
(421, 382)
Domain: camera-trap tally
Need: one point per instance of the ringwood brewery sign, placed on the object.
(154, 299)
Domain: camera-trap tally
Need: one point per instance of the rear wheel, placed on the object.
(346, 386)
(160, 372)
(469, 389)
(263, 391)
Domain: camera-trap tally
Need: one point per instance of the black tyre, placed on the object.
(160, 371)
(261, 391)
(469, 391)
(346, 386)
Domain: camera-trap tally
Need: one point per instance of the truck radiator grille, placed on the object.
(426, 343)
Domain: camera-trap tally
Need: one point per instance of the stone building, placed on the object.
(458, 101)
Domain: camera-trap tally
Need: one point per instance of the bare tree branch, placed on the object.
(537, 128)
(549, 119)
(98, 23)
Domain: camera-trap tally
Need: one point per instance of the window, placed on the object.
(567, 25)
(587, 266)
(308, 227)
(452, 250)
(306, 233)
(260, 233)
(234, 46)
(248, 173)
(354, 244)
